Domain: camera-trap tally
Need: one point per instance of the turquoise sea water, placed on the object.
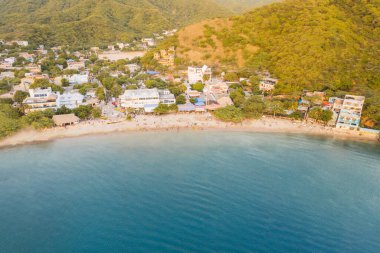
(190, 192)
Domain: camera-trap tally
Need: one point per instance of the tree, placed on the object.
(8, 125)
(238, 97)
(19, 96)
(165, 109)
(109, 82)
(39, 119)
(100, 93)
(83, 111)
(253, 107)
(275, 107)
(326, 116)
(229, 114)
(198, 86)
(63, 110)
(180, 100)
(96, 112)
(177, 89)
(231, 77)
(116, 91)
(44, 83)
(65, 82)
(316, 113)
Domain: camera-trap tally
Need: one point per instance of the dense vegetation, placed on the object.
(325, 45)
(92, 22)
(243, 5)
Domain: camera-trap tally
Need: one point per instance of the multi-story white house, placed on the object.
(195, 74)
(70, 100)
(40, 99)
(166, 97)
(350, 113)
(139, 98)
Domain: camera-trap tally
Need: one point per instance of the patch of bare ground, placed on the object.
(192, 49)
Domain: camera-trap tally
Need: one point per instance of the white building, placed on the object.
(118, 55)
(166, 97)
(350, 113)
(7, 74)
(40, 93)
(149, 42)
(40, 99)
(70, 100)
(10, 60)
(139, 98)
(22, 43)
(78, 79)
(267, 84)
(195, 74)
(133, 67)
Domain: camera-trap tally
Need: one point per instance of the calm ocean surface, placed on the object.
(190, 192)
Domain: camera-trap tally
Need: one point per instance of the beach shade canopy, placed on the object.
(189, 107)
(65, 119)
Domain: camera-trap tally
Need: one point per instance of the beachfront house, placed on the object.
(139, 98)
(196, 74)
(70, 100)
(40, 99)
(350, 113)
(166, 97)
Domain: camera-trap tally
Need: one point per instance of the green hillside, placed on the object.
(92, 22)
(329, 45)
(306, 43)
(239, 6)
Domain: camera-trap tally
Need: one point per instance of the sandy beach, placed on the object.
(177, 122)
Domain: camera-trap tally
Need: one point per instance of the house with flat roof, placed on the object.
(166, 97)
(119, 55)
(74, 65)
(139, 98)
(7, 74)
(70, 100)
(267, 84)
(40, 99)
(78, 78)
(350, 113)
(196, 74)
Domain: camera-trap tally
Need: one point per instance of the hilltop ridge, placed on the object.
(92, 22)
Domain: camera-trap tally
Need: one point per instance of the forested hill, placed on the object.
(239, 6)
(313, 44)
(92, 22)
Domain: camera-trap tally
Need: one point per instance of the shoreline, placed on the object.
(181, 122)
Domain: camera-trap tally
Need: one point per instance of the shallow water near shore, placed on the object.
(191, 192)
